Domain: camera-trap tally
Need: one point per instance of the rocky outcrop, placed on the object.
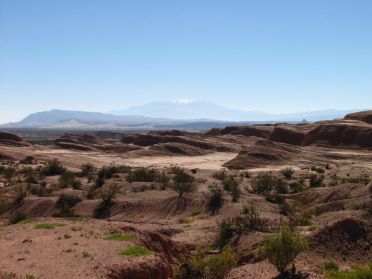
(250, 131)
(340, 133)
(11, 139)
(287, 135)
(365, 116)
(262, 153)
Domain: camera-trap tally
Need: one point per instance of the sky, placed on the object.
(273, 56)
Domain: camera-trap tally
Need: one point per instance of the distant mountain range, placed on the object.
(164, 115)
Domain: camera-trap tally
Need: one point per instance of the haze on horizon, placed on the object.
(272, 56)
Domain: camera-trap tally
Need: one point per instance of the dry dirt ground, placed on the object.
(333, 215)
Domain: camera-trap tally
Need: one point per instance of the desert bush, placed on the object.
(287, 172)
(39, 190)
(65, 203)
(143, 175)
(282, 249)
(215, 199)
(220, 175)
(183, 183)
(330, 266)
(249, 220)
(53, 167)
(204, 266)
(107, 194)
(88, 170)
(297, 186)
(263, 183)
(229, 183)
(163, 180)
(108, 171)
(20, 193)
(68, 179)
(8, 173)
(281, 186)
(319, 170)
(17, 218)
(4, 205)
(316, 181)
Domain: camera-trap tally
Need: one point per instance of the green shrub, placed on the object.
(135, 251)
(163, 180)
(282, 249)
(68, 179)
(88, 170)
(4, 205)
(20, 193)
(297, 186)
(53, 167)
(263, 183)
(8, 173)
(17, 218)
(281, 186)
(143, 175)
(183, 183)
(107, 194)
(287, 172)
(219, 175)
(215, 199)
(317, 169)
(316, 181)
(65, 203)
(204, 266)
(230, 183)
(249, 220)
(330, 266)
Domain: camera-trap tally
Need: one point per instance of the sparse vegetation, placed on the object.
(263, 183)
(220, 175)
(48, 226)
(144, 175)
(17, 218)
(283, 248)
(357, 272)
(135, 251)
(120, 237)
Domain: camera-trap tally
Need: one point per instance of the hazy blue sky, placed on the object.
(275, 56)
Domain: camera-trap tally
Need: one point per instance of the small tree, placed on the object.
(107, 194)
(215, 199)
(283, 248)
(53, 167)
(183, 183)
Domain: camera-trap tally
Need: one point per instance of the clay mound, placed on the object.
(154, 139)
(332, 199)
(340, 133)
(144, 268)
(11, 139)
(347, 238)
(175, 148)
(34, 207)
(262, 153)
(84, 139)
(170, 133)
(287, 135)
(74, 146)
(250, 131)
(4, 156)
(365, 116)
